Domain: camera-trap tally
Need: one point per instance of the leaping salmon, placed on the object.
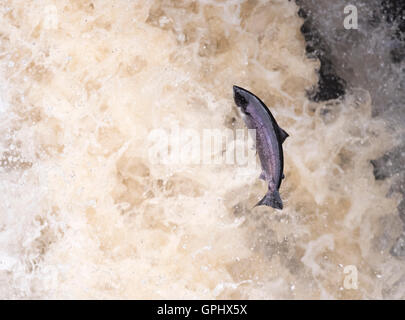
(269, 140)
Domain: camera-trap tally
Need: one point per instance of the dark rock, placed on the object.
(398, 250)
(394, 13)
(389, 164)
(401, 209)
(371, 58)
(330, 85)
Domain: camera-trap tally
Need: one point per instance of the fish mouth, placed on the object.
(238, 90)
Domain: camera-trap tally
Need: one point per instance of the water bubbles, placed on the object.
(163, 20)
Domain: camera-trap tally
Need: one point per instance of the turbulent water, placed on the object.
(84, 213)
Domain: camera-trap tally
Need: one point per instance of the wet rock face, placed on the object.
(372, 58)
(362, 57)
(394, 13)
(389, 164)
(330, 85)
(398, 250)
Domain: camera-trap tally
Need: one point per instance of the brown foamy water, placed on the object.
(85, 214)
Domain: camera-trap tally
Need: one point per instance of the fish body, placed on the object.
(269, 140)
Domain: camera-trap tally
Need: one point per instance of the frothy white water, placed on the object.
(83, 212)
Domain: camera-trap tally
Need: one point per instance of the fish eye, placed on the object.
(240, 100)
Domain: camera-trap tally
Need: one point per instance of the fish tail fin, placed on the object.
(271, 199)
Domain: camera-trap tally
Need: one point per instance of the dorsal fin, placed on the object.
(283, 134)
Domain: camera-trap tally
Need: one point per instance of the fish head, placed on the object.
(241, 97)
